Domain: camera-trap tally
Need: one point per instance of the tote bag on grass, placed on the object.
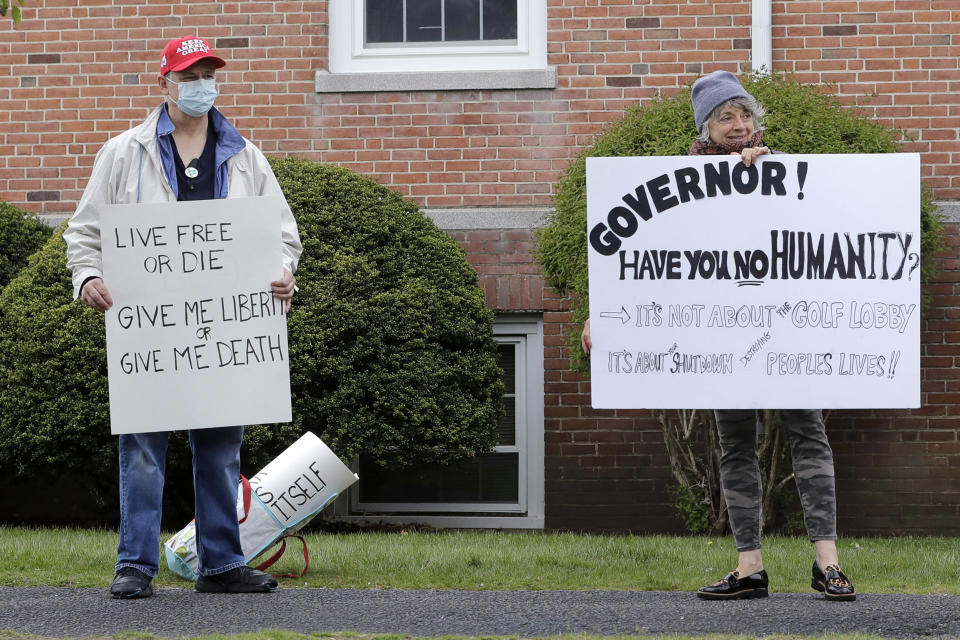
(283, 497)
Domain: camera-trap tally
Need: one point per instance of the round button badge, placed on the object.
(191, 172)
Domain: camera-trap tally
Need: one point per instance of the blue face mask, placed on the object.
(196, 96)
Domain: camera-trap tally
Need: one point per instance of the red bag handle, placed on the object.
(283, 547)
(246, 498)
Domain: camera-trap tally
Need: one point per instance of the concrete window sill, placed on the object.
(327, 82)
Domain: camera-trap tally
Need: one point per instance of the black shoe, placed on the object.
(734, 587)
(240, 580)
(833, 584)
(131, 583)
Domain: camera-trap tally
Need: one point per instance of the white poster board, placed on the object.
(791, 284)
(302, 480)
(195, 337)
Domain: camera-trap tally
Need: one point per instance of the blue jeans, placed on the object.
(216, 474)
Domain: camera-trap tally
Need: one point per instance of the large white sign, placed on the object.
(793, 283)
(195, 337)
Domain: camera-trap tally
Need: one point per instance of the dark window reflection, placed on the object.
(507, 359)
(462, 19)
(491, 477)
(440, 20)
(499, 19)
(384, 21)
(424, 22)
(507, 429)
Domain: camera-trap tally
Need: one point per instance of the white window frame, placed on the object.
(349, 53)
(526, 332)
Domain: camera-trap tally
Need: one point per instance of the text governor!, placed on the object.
(655, 194)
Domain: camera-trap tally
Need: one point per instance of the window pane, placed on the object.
(499, 19)
(507, 428)
(384, 21)
(492, 477)
(507, 359)
(462, 19)
(423, 21)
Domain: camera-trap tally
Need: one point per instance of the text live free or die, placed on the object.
(186, 249)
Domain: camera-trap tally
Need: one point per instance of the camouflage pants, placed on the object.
(740, 472)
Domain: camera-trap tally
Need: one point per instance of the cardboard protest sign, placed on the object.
(793, 283)
(195, 338)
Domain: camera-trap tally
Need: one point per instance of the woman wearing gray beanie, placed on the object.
(729, 121)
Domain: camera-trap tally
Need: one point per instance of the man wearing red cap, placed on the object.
(185, 150)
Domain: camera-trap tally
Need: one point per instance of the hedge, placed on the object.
(21, 234)
(391, 346)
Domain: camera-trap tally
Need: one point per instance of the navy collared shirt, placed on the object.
(202, 185)
(229, 142)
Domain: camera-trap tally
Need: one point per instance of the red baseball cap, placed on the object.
(181, 53)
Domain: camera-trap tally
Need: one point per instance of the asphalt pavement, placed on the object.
(172, 612)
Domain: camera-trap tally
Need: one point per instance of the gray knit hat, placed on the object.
(711, 91)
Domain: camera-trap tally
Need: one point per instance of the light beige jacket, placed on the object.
(128, 170)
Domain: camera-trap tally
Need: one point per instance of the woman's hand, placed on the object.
(585, 342)
(750, 154)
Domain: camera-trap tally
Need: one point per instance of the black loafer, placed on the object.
(833, 583)
(240, 580)
(131, 583)
(734, 587)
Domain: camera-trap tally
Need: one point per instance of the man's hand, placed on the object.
(585, 342)
(750, 154)
(95, 295)
(284, 288)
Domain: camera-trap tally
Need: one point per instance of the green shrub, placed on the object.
(391, 347)
(800, 119)
(21, 234)
(393, 350)
(691, 510)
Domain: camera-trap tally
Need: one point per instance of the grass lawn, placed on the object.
(496, 560)
(291, 635)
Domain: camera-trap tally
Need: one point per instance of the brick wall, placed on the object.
(510, 280)
(895, 59)
(74, 73)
